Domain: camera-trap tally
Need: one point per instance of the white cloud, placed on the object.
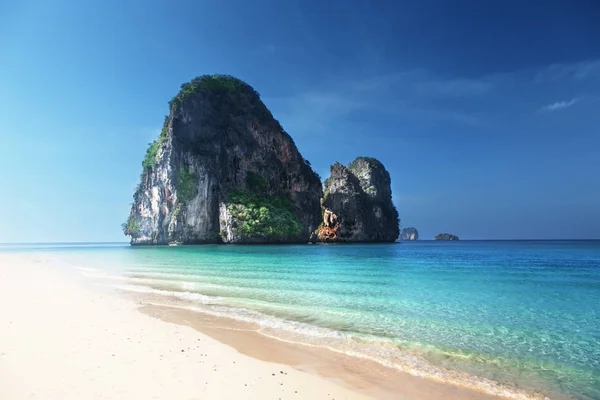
(420, 82)
(404, 94)
(560, 105)
(335, 106)
(315, 111)
(574, 71)
(455, 87)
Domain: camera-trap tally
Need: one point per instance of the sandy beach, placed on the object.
(63, 338)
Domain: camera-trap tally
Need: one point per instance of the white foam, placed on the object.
(196, 297)
(159, 275)
(240, 314)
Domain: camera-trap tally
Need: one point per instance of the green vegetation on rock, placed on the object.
(355, 164)
(256, 182)
(217, 82)
(187, 186)
(259, 216)
(176, 211)
(132, 226)
(152, 151)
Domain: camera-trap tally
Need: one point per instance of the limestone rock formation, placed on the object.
(357, 204)
(445, 236)
(223, 171)
(409, 234)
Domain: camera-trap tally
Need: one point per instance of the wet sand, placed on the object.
(364, 376)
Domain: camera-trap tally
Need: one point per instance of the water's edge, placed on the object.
(516, 320)
(386, 354)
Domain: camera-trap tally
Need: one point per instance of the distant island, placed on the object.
(223, 170)
(409, 234)
(445, 236)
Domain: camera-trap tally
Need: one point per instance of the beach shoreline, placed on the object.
(61, 339)
(361, 375)
(150, 340)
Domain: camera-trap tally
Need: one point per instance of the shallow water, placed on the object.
(523, 314)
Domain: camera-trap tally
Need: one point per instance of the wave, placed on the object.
(384, 351)
(196, 297)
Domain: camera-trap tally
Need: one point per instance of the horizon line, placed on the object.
(399, 240)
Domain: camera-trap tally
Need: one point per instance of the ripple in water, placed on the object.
(509, 318)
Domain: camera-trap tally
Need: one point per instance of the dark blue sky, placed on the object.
(485, 112)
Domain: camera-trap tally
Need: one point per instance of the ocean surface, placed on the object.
(500, 316)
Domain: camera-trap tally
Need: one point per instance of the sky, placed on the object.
(485, 113)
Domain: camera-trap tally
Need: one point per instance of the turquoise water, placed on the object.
(523, 314)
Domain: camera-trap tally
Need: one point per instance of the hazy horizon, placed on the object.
(126, 242)
(486, 115)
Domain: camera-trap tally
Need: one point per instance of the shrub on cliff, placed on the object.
(186, 185)
(132, 226)
(270, 217)
(217, 82)
(152, 151)
(256, 182)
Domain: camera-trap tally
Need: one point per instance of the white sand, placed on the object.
(62, 339)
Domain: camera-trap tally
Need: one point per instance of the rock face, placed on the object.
(357, 204)
(223, 171)
(409, 234)
(445, 236)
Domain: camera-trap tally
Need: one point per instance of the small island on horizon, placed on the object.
(446, 236)
(410, 233)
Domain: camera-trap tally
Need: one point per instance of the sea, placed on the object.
(513, 318)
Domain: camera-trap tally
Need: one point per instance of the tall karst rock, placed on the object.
(223, 171)
(357, 204)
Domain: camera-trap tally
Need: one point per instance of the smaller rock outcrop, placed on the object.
(357, 204)
(409, 234)
(445, 236)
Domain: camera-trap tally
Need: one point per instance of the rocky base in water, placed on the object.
(223, 170)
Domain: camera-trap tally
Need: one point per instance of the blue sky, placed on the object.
(485, 113)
